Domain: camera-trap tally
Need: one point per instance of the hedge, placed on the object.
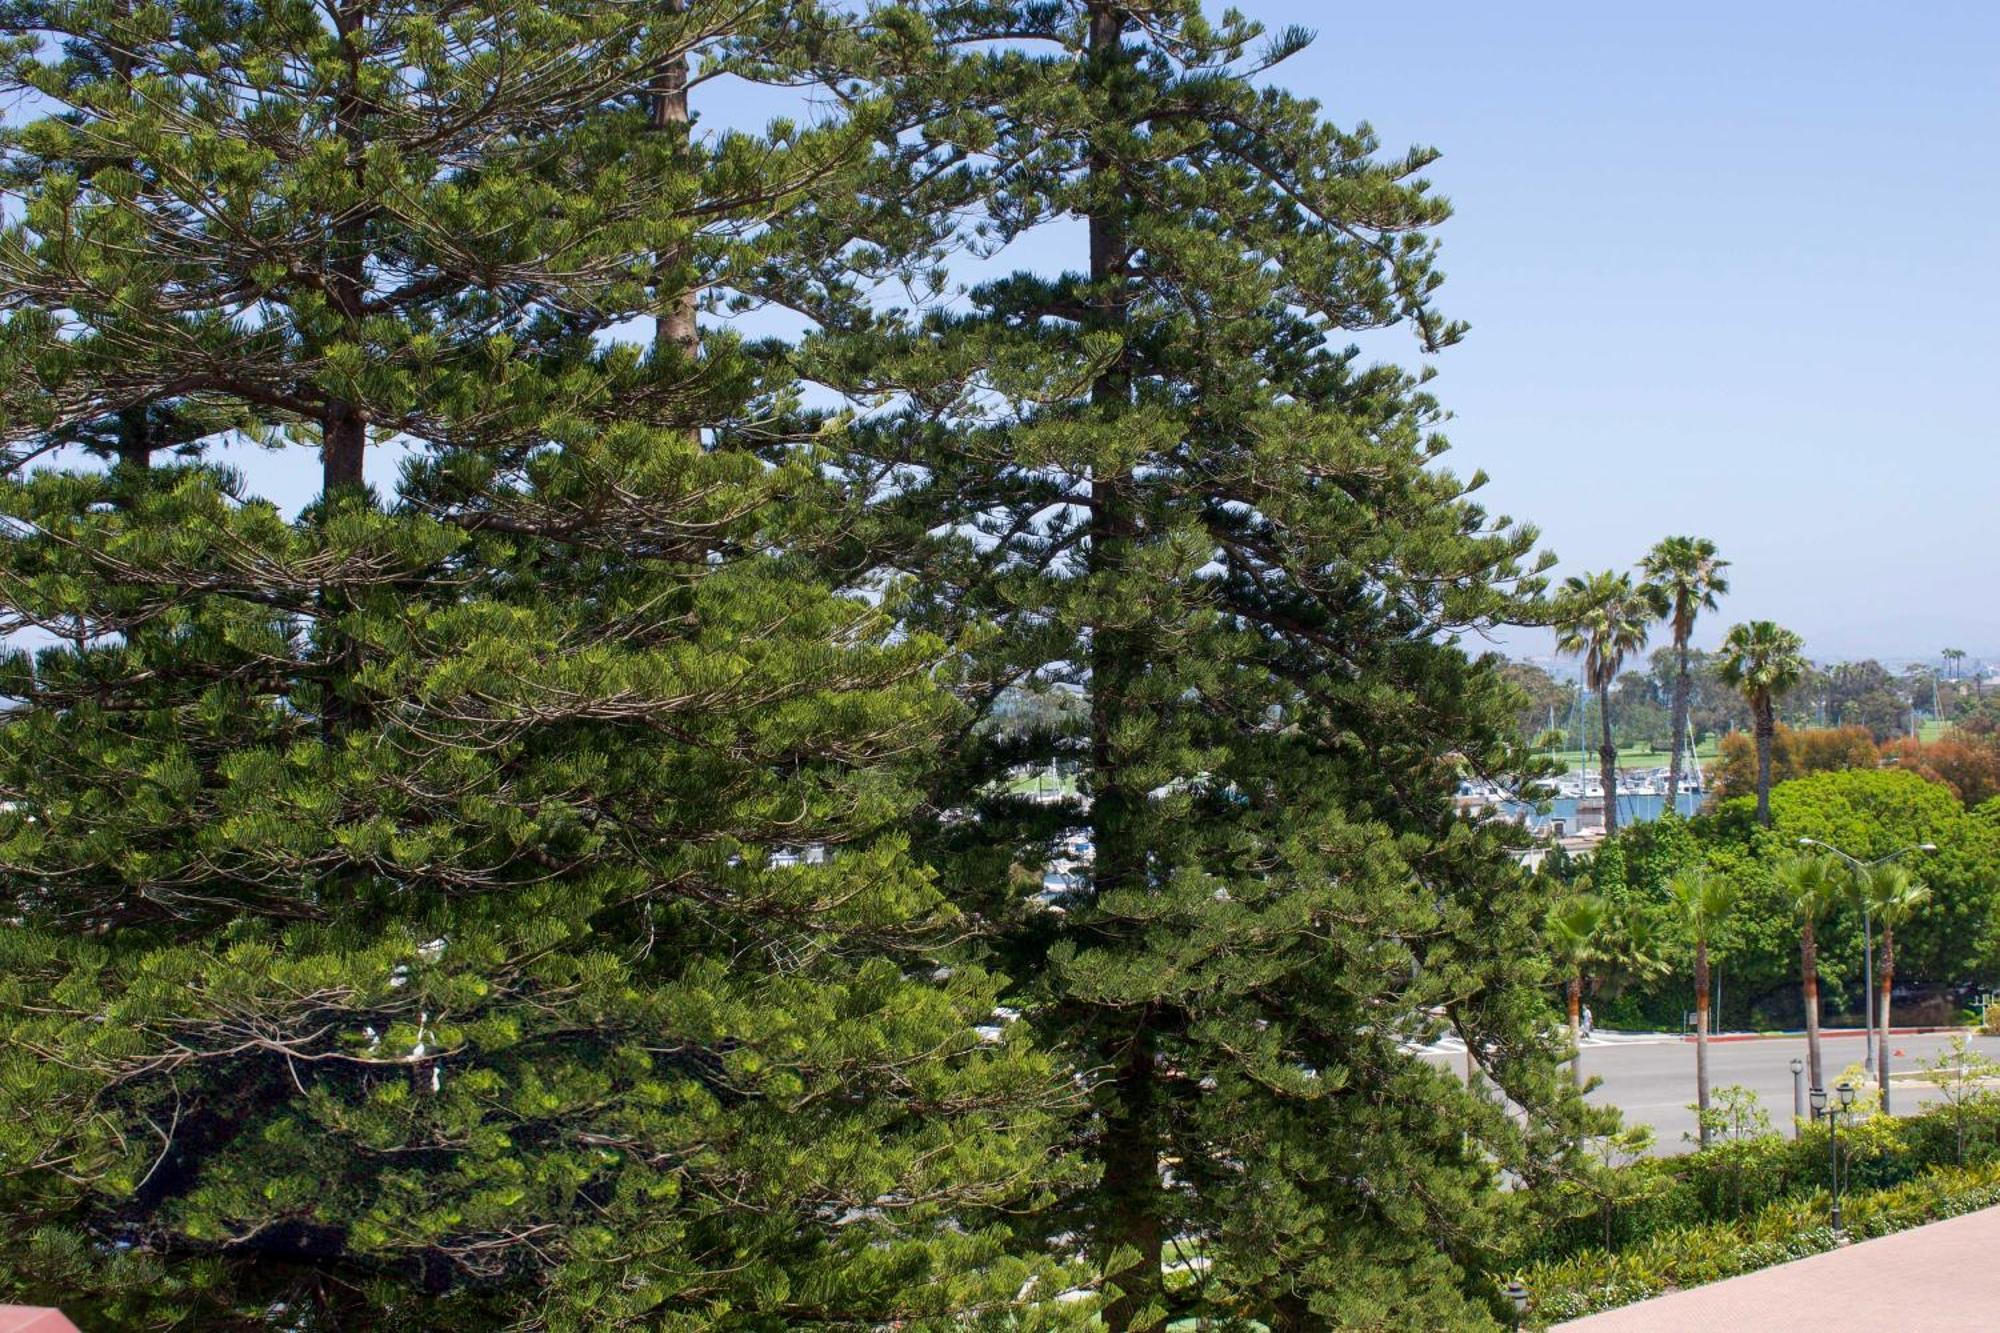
(1677, 1257)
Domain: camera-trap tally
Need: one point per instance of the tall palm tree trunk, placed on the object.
(1767, 731)
(1576, 1027)
(1683, 686)
(1607, 760)
(1701, 1035)
(1882, 1009)
(1809, 982)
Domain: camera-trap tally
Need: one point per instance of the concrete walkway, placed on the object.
(1941, 1278)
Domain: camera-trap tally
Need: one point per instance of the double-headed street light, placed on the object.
(1867, 936)
(1845, 1095)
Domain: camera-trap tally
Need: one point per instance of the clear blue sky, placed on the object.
(1731, 269)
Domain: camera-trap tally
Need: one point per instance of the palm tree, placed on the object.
(1590, 937)
(1686, 575)
(1604, 619)
(1814, 887)
(1893, 897)
(1762, 661)
(1703, 901)
(1578, 931)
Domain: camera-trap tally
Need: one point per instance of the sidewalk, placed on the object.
(1940, 1278)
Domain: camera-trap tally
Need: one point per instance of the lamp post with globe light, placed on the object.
(1844, 1105)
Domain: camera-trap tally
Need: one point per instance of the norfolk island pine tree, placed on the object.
(399, 943)
(1166, 488)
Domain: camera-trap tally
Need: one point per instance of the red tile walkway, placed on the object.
(1941, 1278)
(33, 1319)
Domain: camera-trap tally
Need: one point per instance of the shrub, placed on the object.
(1686, 1256)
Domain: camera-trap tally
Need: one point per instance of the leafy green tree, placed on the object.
(1544, 704)
(1892, 897)
(1685, 573)
(1703, 902)
(1873, 813)
(1762, 661)
(403, 930)
(1603, 619)
(1814, 884)
(1165, 484)
(1964, 1078)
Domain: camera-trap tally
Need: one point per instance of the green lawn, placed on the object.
(1632, 756)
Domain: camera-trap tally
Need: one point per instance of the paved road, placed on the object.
(1653, 1081)
(1939, 1278)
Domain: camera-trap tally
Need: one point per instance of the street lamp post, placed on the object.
(1798, 1095)
(1867, 937)
(1844, 1106)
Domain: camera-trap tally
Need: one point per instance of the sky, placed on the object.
(1731, 270)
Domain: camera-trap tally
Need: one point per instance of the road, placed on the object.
(1652, 1081)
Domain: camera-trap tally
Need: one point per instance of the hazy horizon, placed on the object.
(1728, 271)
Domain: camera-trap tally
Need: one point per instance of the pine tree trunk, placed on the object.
(1809, 974)
(1131, 1143)
(1767, 730)
(1683, 684)
(1607, 760)
(343, 448)
(676, 320)
(1882, 1045)
(135, 450)
(343, 428)
(1291, 1314)
(1131, 1190)
(1701, 1035)
(1576, 1026)
(135, 445)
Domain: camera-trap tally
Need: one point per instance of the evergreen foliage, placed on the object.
(407, 921)
(1165, 486)
(400, 931)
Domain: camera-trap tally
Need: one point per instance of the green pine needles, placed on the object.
(578, 881)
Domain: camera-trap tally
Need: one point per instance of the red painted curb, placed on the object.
(1824, 1033)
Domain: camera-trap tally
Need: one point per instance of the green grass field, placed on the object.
(1632, 756)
